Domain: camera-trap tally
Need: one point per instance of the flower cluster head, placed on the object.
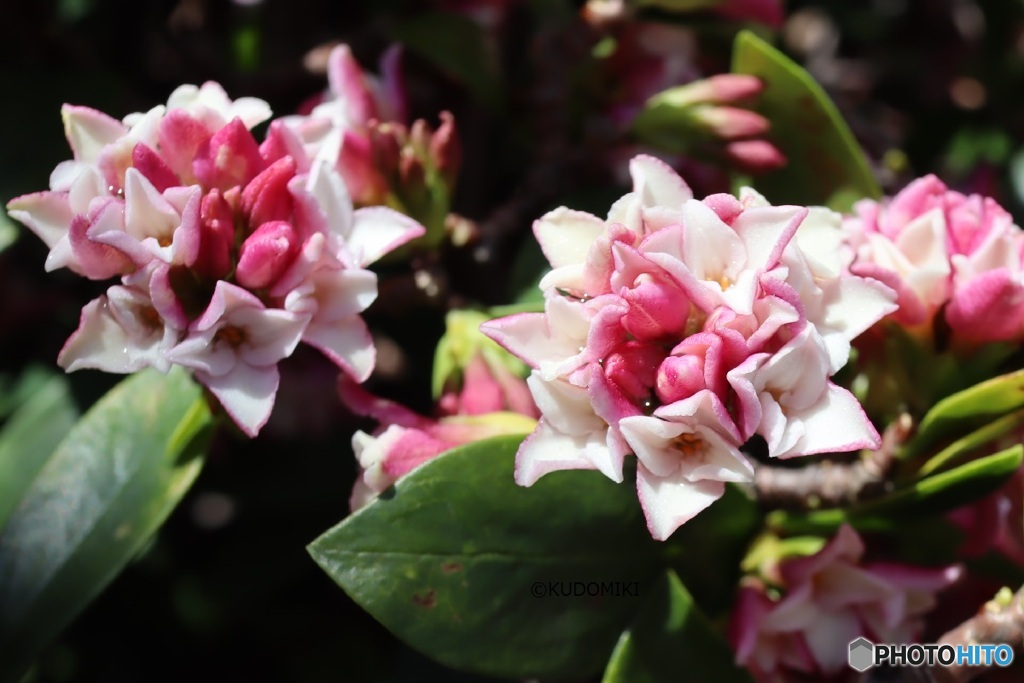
(800, 627)
(677, 328)
(954, 260)
(229, 252)
(359, 126)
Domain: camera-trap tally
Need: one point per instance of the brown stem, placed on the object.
(829, 484)
(999, 621)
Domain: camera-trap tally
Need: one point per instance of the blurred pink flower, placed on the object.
(828, 600)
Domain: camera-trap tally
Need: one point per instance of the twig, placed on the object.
(830, 484)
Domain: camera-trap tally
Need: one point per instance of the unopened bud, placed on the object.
(756, 156)
(266, 254)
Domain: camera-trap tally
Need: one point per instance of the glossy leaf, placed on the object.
(30, 436)
(671, 636)
(826, 165)
(106, 489)
(974, 406)
(930, 496)
(466, 566)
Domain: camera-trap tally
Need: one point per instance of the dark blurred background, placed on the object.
(227, 591)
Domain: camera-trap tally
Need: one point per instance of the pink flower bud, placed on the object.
(266, 254)
(730, 123)
(217, 235)
(632, 367)
(151, 165)
(363, 164)
(656, 309)
(680, 377)
(348, 83)
(231, 158)
(267, 198)
(446, 150)
(756, 156)
(180, 136)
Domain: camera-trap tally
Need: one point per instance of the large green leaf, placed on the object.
(106, 489)
(30, 436)
(461, 563)
(671, 640)
(929, 496)
(826, 165)
(971, 407)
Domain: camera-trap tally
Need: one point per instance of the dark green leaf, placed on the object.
(930, 496)
(461, 563)
(458, 47)
(30, 436)
(671, 636)
(107, 488)
(707, 551)
(826, 165)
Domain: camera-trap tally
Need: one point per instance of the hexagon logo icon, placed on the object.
(862, 654)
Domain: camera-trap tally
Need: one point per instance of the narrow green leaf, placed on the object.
(481, 574)
(106, 489)
(974, 406)
(670, 640)
(826, 165)
(930, 496)
(30, 436)
(964, 446)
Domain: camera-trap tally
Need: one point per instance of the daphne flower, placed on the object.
(676, 329)
(829, 599)
(685, 455)
(229, 252)
(234, 348)
(944, 253)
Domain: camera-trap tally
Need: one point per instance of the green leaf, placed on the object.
(8, 231)
(457, 46)
(464, 565)
(826, 165)
(962, 447)
(930, 496)
(722, 535)
(103, 493)
(30, 436)
(671, 636)
(971, 407)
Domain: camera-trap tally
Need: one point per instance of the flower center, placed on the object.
(231, 335)
(689, 444)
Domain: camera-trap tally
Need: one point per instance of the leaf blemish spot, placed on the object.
(428, 601)
(451, 567)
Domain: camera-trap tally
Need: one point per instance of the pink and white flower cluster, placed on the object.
(676, 329)
(827, 600)
(947, 255)
(229, 252)
(359, 127)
